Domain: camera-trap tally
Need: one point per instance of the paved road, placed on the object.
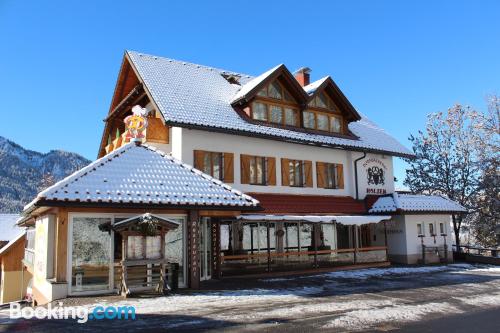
(454, 299)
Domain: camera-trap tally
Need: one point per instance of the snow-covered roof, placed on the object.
(342, 219)
(141, 174)
(200, 97)
(311, 88)
(8, 227)
(12, 242)
(416, 203)
(245, 89)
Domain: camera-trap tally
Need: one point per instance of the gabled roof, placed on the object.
(416, 203)
(140, 174)
(195, 96)
(327, 83)
(251, 89)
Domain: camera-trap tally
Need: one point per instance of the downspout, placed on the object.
(356, 173)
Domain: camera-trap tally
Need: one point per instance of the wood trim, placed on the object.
(198, 159)
(285, 175)
(271, 171)
(61, 254)
(245, 169)
(216, 213)
(320, 174)
(308, 181)
(340, 176)
(228, 162)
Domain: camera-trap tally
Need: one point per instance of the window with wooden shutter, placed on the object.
(245, 169)
(271, 171)
(285, 172)
(308, 178)
(330, 175)
(228, 161)
(320, 174)
(340, 176)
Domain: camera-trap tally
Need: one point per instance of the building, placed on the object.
(11, 256)
(314, 182)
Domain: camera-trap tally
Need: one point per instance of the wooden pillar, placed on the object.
(193, 228)
(316, 239)
(385, 241)
(268, 247)
(61, 253)
(355, 239)
(216, 255)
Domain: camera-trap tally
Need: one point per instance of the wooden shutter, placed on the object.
(198, 159)
(308, 174)
(320, 174)
(340, 176)
(285, 175)
(228, 159)
(245, 169)
(271, 171)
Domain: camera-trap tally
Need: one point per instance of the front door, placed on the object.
(205, 249)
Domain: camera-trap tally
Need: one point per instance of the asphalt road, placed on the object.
(454, 300)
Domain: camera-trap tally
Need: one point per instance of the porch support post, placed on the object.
(355, 239)
(385, 241)
(268, 247)
(316, 239)
(193, 228)
(216, 257)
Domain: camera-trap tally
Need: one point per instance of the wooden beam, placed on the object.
(193, 229)
(61, 255)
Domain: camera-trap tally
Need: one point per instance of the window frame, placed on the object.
(263, 159)
(301, 172)
(327, 167)
(421, 232)
(431, 229)
(211, 155)
(283, 105)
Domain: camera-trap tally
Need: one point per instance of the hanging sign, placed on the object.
(136, 124)
(376, 172)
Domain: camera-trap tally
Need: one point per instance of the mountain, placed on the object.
(24, 172)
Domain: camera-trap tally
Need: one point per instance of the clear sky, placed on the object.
(395, 60)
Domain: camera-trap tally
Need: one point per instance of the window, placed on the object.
(291, 117)
(330, 175)
(212, 164)
(296, 171)
(276, 114)
(258, 170)
(216, 164)
(324, 102)
(309, 121)
(431, 229)
(335, 124)
(420, 232)
(259, 111)
(274, 90)
(442, 231)
(322, 120)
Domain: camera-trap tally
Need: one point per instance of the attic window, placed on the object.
(275, 90)
(232, 78)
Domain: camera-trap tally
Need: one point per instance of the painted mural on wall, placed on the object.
(376, 172)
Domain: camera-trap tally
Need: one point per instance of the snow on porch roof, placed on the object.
(342, 219)
(141, 174)
(416, 203)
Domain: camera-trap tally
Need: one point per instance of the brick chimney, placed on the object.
(302, 75)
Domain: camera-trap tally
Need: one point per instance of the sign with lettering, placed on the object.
(376, 172)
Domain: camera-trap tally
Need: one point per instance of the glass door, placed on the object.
(205, 249)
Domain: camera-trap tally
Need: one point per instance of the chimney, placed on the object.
(302, 75)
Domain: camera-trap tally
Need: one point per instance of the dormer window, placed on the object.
(276, 91)
(322, 101)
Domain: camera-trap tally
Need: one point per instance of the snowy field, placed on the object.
(338, 301)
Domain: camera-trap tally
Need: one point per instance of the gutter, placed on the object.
(356, 173)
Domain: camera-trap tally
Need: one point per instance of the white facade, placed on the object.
(183, 142)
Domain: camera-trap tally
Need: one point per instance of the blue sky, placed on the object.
(395, 60)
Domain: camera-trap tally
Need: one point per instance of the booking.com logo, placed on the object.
(80, 313)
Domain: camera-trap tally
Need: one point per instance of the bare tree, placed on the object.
(447, 160)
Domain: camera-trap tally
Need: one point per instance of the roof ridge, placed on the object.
(187, 63)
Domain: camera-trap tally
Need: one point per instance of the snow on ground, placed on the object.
(398, 300)
(359, 319)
